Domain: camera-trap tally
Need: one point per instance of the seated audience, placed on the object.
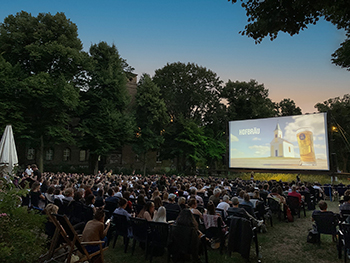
(95, 230)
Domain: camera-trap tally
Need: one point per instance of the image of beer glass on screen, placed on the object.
(306, 146)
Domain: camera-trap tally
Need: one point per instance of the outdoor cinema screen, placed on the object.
(297, 142)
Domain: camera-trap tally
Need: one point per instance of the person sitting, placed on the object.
(192, 203)
(323, 210)
(241, 212)
(171, 204)
(50, 226)
(182, 203)
(148, 211)
(49, 194)
(90, 201)
(295, 193)
(180, 237)
(121, 209)
(160, 216)
(157, 202)
(68, 194)
(216, 196)
(224, 205)
(345, 206)
(36, 195)
(95, 230)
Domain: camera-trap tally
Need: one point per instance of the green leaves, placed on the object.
(269, 17)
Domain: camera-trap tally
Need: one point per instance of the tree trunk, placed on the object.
(93, 163)
(41, 154)
(345, 162)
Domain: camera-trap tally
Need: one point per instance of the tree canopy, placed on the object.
(105, 125)
(248, 100)
(46, 55)
(339, 131)
(151, 117)
(269, 17)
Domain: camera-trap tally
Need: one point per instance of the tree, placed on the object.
(340, 128)
(269, 17)
(287, 107)
(187, 89)
(151, 117)
(105, 125)
(189, 92)
(47, 53)
(248, 100)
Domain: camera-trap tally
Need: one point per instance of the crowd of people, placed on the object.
(150, 197)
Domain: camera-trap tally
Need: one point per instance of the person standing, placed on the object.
(36, 173)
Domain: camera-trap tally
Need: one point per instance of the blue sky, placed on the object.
(149, 34)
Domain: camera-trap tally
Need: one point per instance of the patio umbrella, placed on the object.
(8, 153)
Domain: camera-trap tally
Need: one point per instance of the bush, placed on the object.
(22, 236)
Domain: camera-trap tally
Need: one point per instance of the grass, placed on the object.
(283, 243)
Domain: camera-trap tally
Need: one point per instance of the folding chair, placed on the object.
(73, 242)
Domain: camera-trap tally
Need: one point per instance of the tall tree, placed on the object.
(49, 54)
(248, 100)
(187, 89)
(338, 108)
(287, 107)
(105, 124)
(151, 118)
(269, 17)
(189, 92)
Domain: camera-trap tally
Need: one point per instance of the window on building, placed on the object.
(30, 154)
(66, 154)
(82, 155)
(49, 155)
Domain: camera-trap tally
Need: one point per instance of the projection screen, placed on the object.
(293, 143)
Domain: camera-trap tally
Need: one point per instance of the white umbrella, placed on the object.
(8, 153)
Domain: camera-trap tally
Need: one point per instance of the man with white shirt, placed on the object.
(224, 205)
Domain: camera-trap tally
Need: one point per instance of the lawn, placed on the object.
(284, 242)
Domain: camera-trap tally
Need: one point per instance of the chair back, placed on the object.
(345, 214)
(274, 205)
(183, 242)
(326, 223)
(345, 235)
(293, 202)
(212, 225)
(263, 195)
(110, 207)
(158, 234)
(140, 229)
(121, 224)
(172, 214)
(247, 208)
(67, 230)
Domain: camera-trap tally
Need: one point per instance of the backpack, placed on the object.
(312, 236)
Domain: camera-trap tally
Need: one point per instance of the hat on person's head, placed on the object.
(172, 196)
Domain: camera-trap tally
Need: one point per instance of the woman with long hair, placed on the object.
(148, 211)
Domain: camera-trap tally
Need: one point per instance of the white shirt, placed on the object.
(223, 205)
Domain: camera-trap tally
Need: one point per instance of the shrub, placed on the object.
(22, 236)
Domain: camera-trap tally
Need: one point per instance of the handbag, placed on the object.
(289, 215)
